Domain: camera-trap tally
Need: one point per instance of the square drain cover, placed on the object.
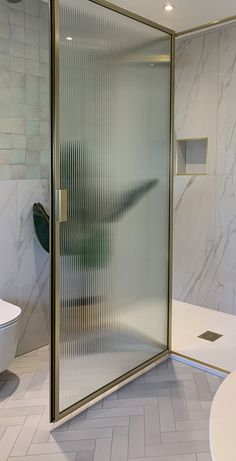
(210, 336)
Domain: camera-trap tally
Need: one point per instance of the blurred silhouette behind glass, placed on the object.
(92, 240)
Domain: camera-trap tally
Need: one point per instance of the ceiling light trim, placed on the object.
(169, 7)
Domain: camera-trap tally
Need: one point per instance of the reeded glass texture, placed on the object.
(114, 135)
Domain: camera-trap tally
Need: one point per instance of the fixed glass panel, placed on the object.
(114, 80)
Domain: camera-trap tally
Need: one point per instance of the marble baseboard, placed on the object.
(24, 276)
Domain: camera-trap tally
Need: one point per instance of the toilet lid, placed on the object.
(9, 313)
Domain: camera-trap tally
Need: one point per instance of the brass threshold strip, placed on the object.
(206, 26)
(220, 371)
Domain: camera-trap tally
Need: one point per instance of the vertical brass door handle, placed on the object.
(61, 205)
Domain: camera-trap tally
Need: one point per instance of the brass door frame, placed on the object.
(208, 25)
(55, 413)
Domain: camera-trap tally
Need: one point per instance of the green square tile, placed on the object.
(33, 157)
(45, 158)
(18, 172)
(18, 157)
(18, 95)
(44, 171)
(33, 172)
(5, 157)
(5, 172)
(33, 97)
(32, 127)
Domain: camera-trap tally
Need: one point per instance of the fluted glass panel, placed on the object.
(114, 135)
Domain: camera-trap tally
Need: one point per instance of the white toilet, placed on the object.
(9, 326)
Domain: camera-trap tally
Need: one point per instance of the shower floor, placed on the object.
(190, 321)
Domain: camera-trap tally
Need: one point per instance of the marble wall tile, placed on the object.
(8, 240)
(195, 104)
(33, 268)
(196, 83)
(194, 243)
(226, 133)
(225, 259)
(24, 272)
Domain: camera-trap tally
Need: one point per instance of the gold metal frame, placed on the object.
(136, 17)
(55, 413)
(171, 189)
(54, 224)
(206, 26)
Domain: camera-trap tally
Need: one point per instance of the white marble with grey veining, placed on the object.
(33, 267)
(205, 241)
(196, 91)
(8, 240)
(194, 245)
(205, 206)
(226, 133)
(24, 272)
(225, 258)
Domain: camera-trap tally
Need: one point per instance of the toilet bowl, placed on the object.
(9, 326)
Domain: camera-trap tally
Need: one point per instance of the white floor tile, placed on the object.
(25, 436)
(7, 441)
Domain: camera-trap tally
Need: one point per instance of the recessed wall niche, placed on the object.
(191, 156)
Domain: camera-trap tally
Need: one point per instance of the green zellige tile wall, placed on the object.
(24, 90)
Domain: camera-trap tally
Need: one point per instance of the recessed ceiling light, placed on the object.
(168, 7)
(69, 38)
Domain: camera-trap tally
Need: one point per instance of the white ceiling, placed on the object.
(187, 13)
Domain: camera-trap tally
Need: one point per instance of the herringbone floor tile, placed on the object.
(161, 416)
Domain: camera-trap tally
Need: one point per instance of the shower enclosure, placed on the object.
(111, 178)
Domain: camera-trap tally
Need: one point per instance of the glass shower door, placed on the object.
(110, 237)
